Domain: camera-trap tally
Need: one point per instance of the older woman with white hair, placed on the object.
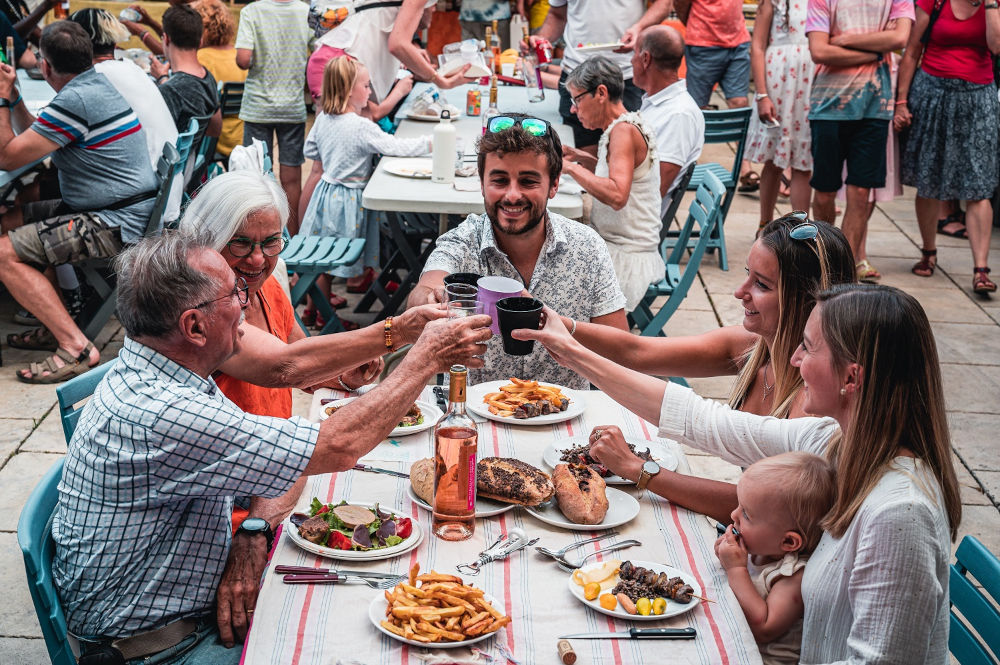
(624, 180)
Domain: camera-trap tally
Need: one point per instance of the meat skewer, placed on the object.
(674, 587)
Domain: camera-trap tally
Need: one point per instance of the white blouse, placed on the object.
(878, 594)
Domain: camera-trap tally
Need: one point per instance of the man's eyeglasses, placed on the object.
(804, 231)
(240, 290)
(242, 247)
(533, 126)
(575, 99)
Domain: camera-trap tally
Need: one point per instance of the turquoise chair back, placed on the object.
(34, 535)
(76, 390)
(973, 610)
(184, 142)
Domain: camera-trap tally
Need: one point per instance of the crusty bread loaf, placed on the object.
(581, 493)
(422, 479)
(512, 481)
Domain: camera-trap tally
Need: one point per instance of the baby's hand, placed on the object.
(730, 550)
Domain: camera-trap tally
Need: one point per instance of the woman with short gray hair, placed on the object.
(624, 180)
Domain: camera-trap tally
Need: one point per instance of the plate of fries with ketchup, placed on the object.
(525, 402)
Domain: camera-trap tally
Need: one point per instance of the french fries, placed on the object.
(518, 392)
(441, 609)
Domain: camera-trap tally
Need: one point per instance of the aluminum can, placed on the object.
(473, 102)
(543, 50)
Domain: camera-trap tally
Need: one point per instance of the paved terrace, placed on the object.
(968, 337)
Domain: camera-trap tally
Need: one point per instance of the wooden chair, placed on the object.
(722, 127)
(312, 256)
(975, 620)
(703, 215)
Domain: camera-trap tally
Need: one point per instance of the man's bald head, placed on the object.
(665, 47)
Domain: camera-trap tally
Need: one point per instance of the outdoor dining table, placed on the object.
(37, 94)
(327, 624)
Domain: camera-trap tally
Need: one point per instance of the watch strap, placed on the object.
(5, 103)
(267, 532)
(644, 478)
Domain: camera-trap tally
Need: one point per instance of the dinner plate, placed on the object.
(599, 48)
(410, 167)
(673, 607)
(622, 508)
(430, 410)
(661, 454)
(474, 402)
(352, 555)
(484, 507)
(376, 613)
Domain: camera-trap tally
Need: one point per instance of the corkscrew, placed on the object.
(502, 548)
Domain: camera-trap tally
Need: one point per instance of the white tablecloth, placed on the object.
(323, 625)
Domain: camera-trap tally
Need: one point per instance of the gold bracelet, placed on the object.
(388, 333)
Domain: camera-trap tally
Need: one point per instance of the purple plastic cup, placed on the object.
(492, 289)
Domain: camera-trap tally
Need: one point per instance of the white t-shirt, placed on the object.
(679, 125)
(145, 99)
(598, 22)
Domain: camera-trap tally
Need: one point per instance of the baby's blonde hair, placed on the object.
(804, 484)
(339, 77)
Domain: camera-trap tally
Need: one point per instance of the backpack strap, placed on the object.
(935, 12)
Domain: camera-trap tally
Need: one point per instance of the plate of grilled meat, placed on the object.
(576, 450)
(523, 402)
(637, 591)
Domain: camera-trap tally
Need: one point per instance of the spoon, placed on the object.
(570, 566)
(560, 553)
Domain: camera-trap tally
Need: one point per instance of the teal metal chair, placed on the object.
(703, 215)
(974, 611)
(312, 256)
(75, 391)
(729, 126)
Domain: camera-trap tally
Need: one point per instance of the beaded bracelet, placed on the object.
(388, 333)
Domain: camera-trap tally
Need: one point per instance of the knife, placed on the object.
(305, 570)
(638, 634)
(375, 469)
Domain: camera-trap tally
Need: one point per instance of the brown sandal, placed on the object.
(981, 283)
(36, 339)
(74, 366)
(926, 265)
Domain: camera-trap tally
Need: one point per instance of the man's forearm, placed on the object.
(277, 509)
(875, 42)
(554, 24)
(656, 13)
(28, 23)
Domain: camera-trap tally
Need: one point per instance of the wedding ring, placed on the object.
(598, 433)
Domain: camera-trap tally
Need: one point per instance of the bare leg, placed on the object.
(824, 207)
(770, 181)
(801, 191)
(738, 103)
(927, 212)
(291, 182)
(979, 223)
(855, 225)
(307, 190)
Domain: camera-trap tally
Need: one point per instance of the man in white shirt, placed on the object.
(668, 108)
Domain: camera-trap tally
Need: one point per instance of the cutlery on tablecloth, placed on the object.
(375, 469)
(337, 579)
(306, 570)
(638, 634)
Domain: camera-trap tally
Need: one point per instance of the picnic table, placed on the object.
(300, 624)
(37, 94)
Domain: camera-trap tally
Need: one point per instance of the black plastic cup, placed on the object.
(469, 278)
(514, 313)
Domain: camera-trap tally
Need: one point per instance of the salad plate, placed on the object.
(411, 541)
(376, 613)
(475, 403)
(484, 507)
(673, 607)
(660, 452)
(428, 410)
(622, 508)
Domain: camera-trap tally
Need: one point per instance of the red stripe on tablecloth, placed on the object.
(694, 571)
(300, 630)
(508, 604)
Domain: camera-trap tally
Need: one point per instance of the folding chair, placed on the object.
(312, 256)
(722, 127)
(675, 202)
(76, 390)
(196, 163)
(704, 212)
(98, 272)
(230, 103)
(973, 610)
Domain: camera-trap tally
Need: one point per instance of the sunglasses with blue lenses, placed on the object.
(806, 230)
(533, 126)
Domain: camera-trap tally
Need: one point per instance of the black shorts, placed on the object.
(291, 138)
(583, 137)
(860, 143)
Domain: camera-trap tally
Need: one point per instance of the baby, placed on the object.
(782, 499)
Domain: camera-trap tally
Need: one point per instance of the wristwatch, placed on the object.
(760, 95)
(255, 525)
(991, 5)
(5, 103)
(649, 469)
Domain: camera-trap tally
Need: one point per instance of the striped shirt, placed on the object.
(143, 523)
(102, 156)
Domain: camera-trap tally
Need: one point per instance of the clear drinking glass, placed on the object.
(458, 309)
(459, 291)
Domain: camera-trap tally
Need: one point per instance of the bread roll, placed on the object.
(422, 479)
(581, 493)
(512, 481)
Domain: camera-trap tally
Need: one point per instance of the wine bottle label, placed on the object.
(471, 490)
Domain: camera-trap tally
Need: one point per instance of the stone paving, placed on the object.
(967, 329)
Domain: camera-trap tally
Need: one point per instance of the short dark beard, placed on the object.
(492, 214)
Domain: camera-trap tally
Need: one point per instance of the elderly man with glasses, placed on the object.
(563, 263)
(142, 527)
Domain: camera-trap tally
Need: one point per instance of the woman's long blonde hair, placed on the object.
(900, 403)
(805, 267)
(339, 77)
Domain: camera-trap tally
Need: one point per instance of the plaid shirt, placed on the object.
(143, 523)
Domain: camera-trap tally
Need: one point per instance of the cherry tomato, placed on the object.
(404, 527)
(338, 541)
(324, 509)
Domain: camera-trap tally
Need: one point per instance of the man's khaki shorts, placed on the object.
(50, 238)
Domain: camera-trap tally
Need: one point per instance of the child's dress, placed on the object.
(784, 649)
(346, 145)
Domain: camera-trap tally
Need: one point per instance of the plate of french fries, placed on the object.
(525, 402)
(437, 611)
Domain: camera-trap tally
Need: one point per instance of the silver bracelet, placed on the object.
(343, 385)
(572, 331)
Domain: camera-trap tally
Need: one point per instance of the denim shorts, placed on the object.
(708, 65)
(291, 138)
(859, 143)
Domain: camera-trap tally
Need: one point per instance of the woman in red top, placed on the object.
(950, 105)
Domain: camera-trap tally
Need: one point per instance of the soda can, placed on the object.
(473, 102)
(543, 49)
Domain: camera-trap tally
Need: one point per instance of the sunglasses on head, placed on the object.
(804, 231)
(533, 126)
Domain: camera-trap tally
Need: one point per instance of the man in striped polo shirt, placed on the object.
(105, 179)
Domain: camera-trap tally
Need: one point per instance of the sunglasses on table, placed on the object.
(533, 126)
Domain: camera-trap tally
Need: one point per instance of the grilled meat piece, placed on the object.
(412, 417)
(315, 530)
(513, 481)
(581, 455)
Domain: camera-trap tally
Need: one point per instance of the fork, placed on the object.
(560, 553)
(570, 566)
(333, 578)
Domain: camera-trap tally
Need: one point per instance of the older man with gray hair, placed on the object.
(671, 112)
(142, 527)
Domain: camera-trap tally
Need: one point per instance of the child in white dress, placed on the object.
(347, 144)
(776, 525)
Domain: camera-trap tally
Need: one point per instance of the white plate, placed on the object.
(474, 401)
(599, 48)
(376, 613)
(622, 508)
(484, 507)
(663, 456)
(431, 415)
(424, 117)
(352, 555)
(410, 167)
(673, 607)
